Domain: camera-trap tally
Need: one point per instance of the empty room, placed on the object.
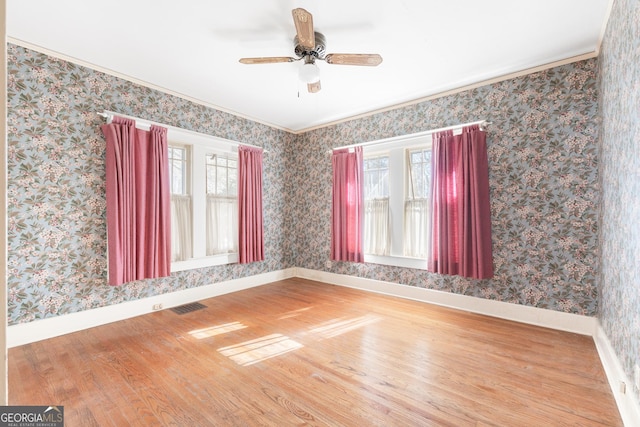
(274, 213)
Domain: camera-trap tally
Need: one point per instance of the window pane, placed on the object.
(416, 209)
(427, 162)
(181, 243)
(211, 179)
(376, 217)
(222, 175)
(233, 181)
(221, 216)
(370, 164)
(385, 183)
(376, 177)
(176, 181)
(416, 157)
(221, 187)
(177, 170)
(420, 177)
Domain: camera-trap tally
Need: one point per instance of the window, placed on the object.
(178, 169)
(203, 174)
(222, 204)
(397, 180)
(376, 177)
(416, 205)
(376, 205)
(419, 173)
(181, 230)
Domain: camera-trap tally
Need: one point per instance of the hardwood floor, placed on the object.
(298, 352)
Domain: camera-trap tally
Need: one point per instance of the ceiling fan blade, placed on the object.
(267, 60)
(369, 59)
(313, 87)
(304, 28)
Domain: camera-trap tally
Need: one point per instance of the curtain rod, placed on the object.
(147, 124)
(482, 123)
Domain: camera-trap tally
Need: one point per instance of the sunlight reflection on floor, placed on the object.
(254, 351)
(294, 313)
(337, 327)
(259, 349)
(216, 330)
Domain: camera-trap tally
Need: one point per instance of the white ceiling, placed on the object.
(191, 47)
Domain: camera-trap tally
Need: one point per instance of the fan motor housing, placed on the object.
(319, 51)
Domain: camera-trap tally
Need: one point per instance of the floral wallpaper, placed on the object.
(619, 311)
(543, 171)
(56, 201)
(543, 175)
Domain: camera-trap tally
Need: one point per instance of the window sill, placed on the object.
(209, 261)
(397, 261)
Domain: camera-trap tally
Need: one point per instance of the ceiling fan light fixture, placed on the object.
(309, 72)
(311, 45)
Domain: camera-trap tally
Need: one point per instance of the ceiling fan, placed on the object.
(310, 46)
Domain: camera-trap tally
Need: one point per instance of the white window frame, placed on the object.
(377, 196)
(186, 186)
(228, 156)
(396, 148)
(200, 145)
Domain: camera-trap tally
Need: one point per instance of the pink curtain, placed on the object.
(138, 204)
(460, 240)
(251, 240)
(347, 215)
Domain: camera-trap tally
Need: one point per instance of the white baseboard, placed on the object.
(25, 333)
(569, 322)
(627, 401)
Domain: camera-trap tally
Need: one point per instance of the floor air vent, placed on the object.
(188, 308)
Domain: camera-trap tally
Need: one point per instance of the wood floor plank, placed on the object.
(298, 352)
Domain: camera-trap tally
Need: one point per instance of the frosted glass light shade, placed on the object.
(309, 73)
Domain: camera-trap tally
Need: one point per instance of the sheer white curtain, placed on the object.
(181, 243)
(377, 239)
(221, 212)
(416, 214)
